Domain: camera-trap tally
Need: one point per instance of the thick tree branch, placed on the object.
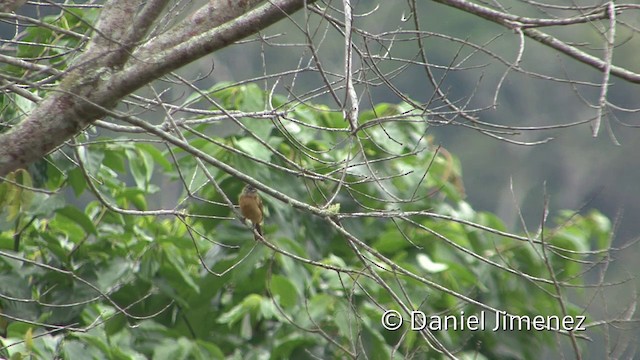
(142, 71)
(98, 78)
(211, 15)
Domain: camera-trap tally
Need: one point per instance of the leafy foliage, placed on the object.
(83, 279)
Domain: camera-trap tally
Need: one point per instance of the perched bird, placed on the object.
(251, 207)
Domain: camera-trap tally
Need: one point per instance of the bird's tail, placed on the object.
(259, 230)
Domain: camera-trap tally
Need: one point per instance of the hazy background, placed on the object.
(580, 172)
(575, 170)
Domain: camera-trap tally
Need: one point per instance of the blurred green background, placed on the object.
(576, 170)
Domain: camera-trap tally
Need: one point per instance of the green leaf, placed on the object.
(44, 205)
(91, 158)
(175, 269)
(114, 159)
(77, 181)
(155, 154)
(250, 98)
(6, 241)
(115, 272)
(284, 291)
(374, 344)
(249, 306)
(253, 147)
(141, 168)
(17, 198)
(321, 307)
(79, 218)
(390, 242)
(285, 347)
(136, 197)
(170, 349)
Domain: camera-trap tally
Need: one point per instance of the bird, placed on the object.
(251, 207)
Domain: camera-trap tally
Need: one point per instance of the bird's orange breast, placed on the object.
(250, 208)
